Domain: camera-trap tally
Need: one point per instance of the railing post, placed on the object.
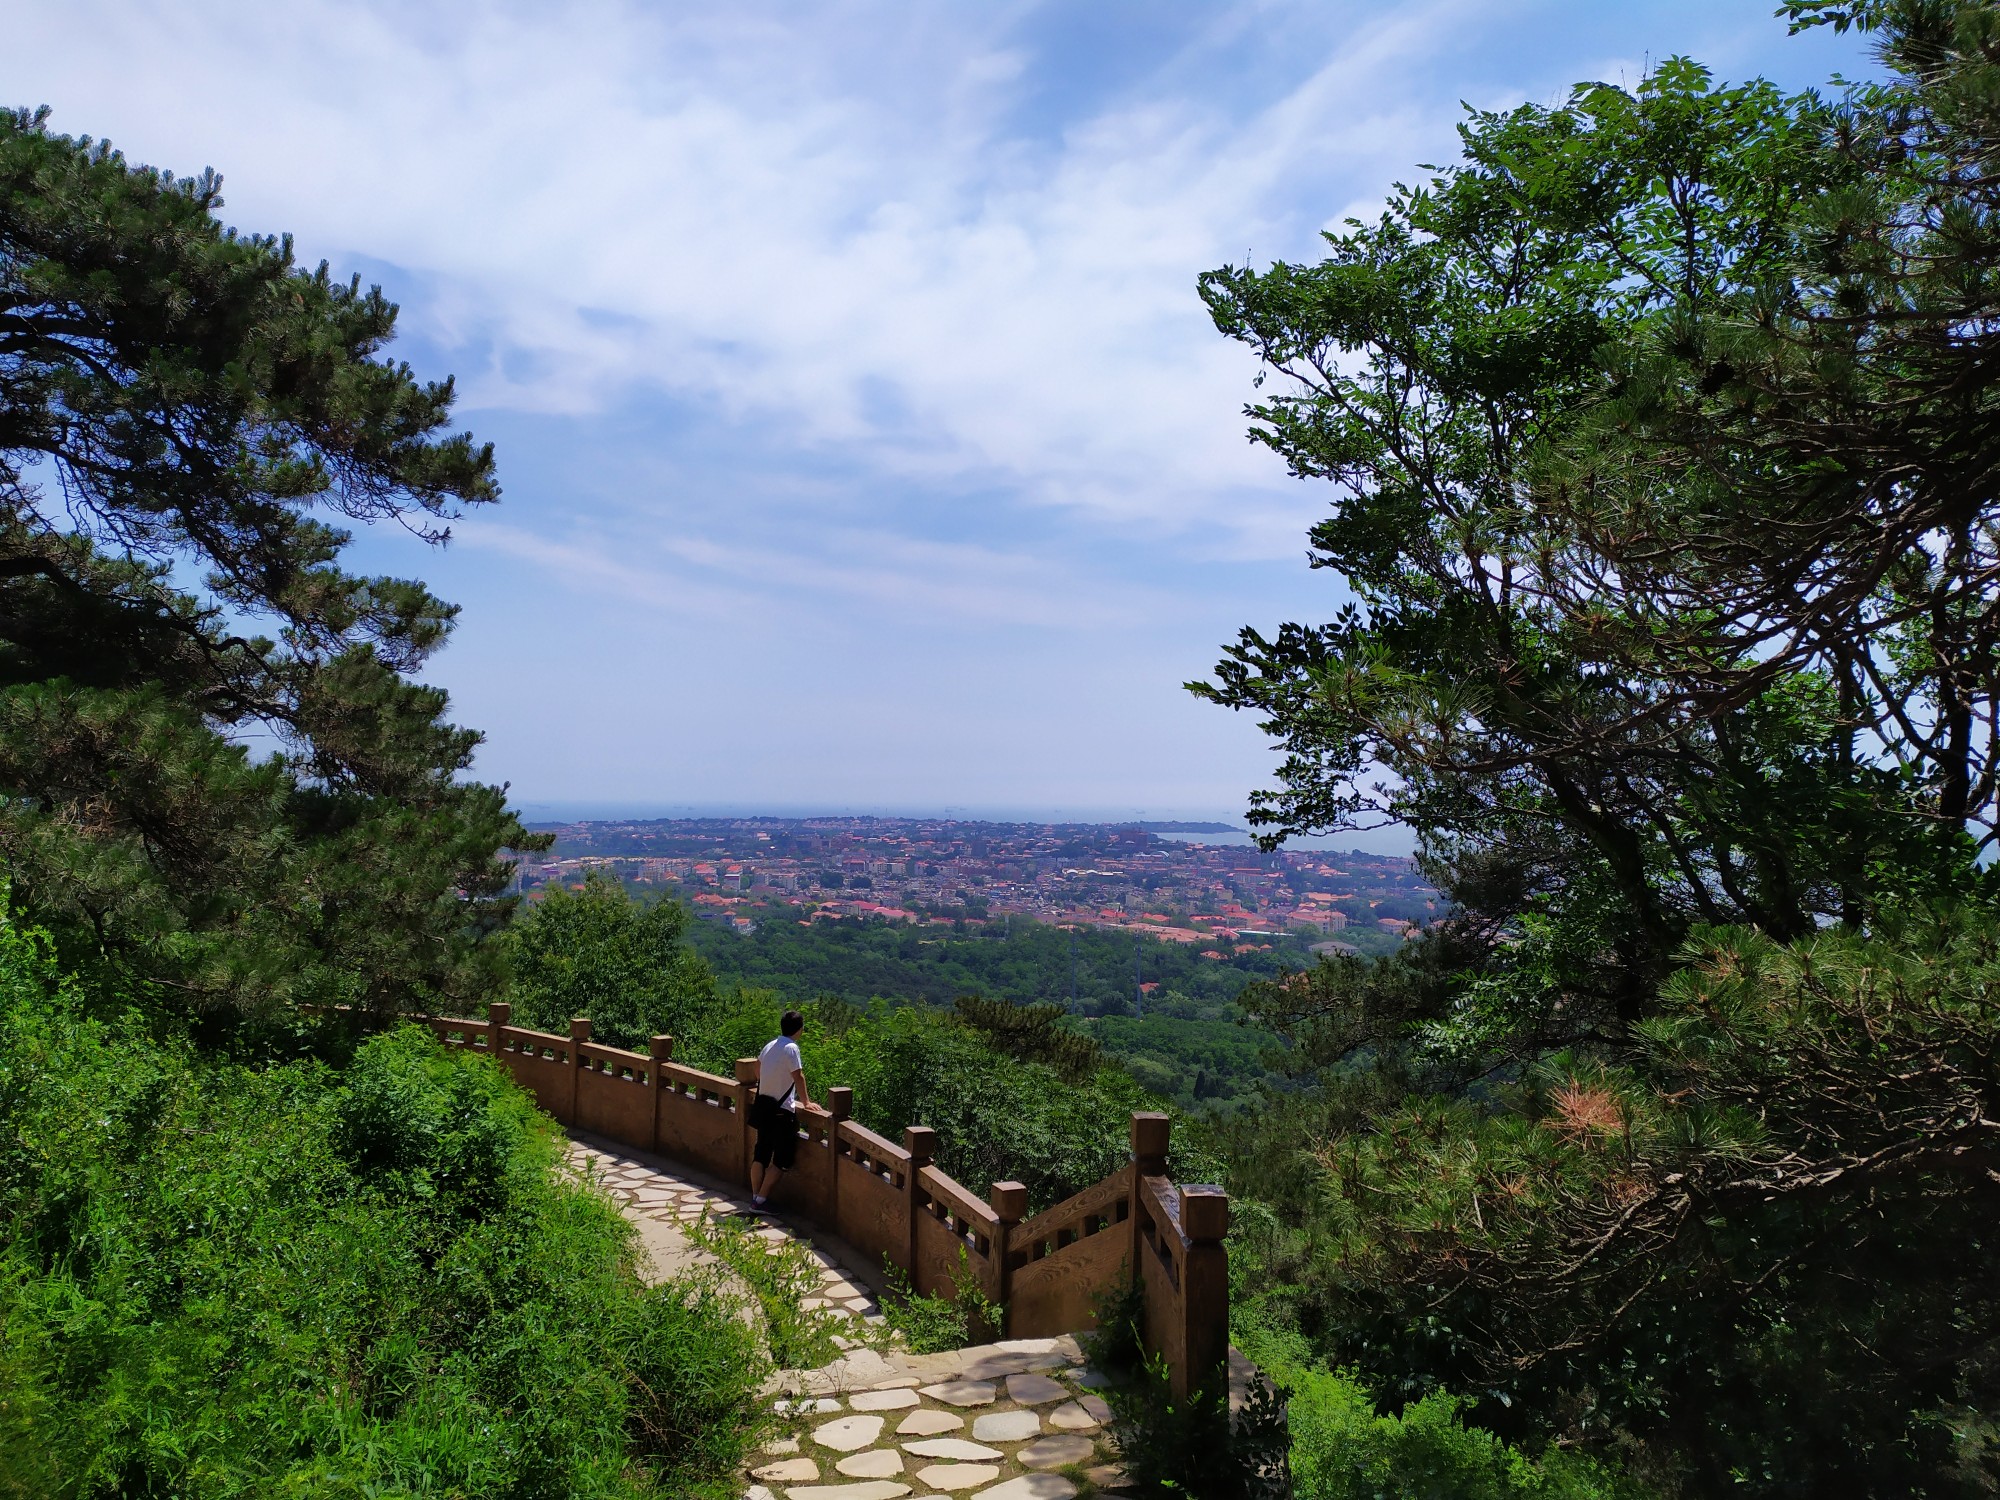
(579, 1033)
(662, 1050)
(746, 1095)
(840, 1107)
(1150, 1132)
(498, 1014)
(1204, 1287)
(921, 1142)
(1149, 1143)
(1010, 1206)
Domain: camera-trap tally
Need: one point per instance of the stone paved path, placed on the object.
(1017, 1420)
(661, 1197)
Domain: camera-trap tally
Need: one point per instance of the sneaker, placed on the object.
(755, 1201)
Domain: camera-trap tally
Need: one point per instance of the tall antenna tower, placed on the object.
(1138, 980)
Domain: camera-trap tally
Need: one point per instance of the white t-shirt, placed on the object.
(775, 1066)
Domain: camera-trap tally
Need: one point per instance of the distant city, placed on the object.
(742, 871)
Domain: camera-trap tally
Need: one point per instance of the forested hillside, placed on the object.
(1187, 1041)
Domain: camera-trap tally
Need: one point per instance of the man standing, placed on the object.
(781, 1092)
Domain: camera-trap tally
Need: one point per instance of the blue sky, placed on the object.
(865, 445)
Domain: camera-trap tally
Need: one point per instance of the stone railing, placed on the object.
(889, 1202)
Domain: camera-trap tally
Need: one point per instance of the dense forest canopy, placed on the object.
(1660, 437)
(1183, 1040)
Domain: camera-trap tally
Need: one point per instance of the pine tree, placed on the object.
(185, 417)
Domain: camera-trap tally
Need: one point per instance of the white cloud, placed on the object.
(863, 434)
(876, 574)
(838, 220)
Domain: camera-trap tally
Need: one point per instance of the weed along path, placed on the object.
(671, 1205)
(1016, 1420)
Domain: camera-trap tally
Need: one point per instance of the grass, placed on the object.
(926, 1324)
(779, 1275)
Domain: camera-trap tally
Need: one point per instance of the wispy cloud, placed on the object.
(863, 434)
(832, 219)
(881, 576)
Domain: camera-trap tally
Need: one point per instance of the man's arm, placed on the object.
(799, 1083)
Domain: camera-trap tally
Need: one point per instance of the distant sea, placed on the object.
(1200, 827)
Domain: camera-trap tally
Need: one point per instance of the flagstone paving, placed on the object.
(661, 1198)
(1008, 1421)
(1006, 1396)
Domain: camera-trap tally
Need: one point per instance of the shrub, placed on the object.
(1342, 1448)
(597, 952)
(1193, 1446)
(780, 1275)
(694, 1374)
(221, 1280)
(934, 1325)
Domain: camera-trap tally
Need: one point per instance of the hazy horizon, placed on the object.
(1392, 840)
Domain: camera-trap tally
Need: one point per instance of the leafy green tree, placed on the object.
(597, 952)
(1762, 1249)
(997, 1116)
(1032, 1033)
(1565, 663)
(185, 415)
(1661, 427)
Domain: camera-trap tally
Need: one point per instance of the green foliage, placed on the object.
(694, 1375)
(1024, 961)
(997, 1118)
(596, 952)
(926, 1324)
(1762, 1248)
(1201, 1065)
(1343, 1450)
(1116, 1341)
(220, 1279)
(184, 415)
(1195, 1445)
(1660, 436)
(1032, 1033)
(781, 1275)
(1519, 381)
(921, 1324)
(1191, 1046)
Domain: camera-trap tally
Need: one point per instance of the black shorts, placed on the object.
(777, 1133)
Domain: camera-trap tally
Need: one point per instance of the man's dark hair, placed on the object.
(793, 1023)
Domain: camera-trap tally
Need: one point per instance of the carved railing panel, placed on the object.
(874, 1194)
(956, 1233)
